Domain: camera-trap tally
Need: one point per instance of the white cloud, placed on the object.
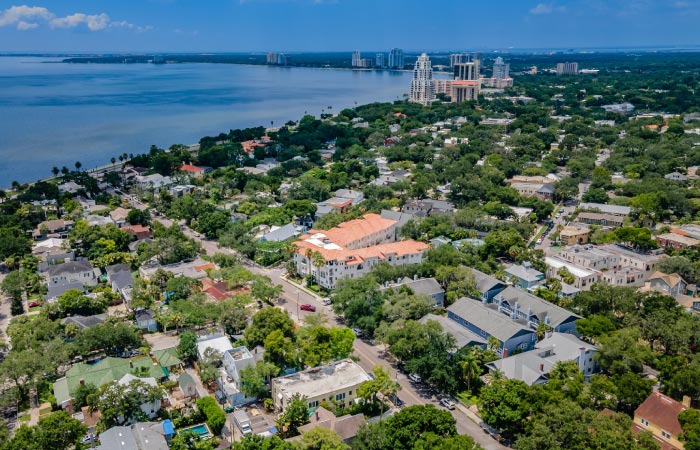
(546, 8)
(94, 22)
(23, 26)
(29, 17)
(16, 15)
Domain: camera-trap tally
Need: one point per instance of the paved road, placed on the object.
(369, 356)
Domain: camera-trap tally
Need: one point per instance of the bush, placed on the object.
(216, 417)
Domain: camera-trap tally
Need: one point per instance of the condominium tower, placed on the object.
(356, 58)
(380, 60)
(458, 58)
(422, 89)
(567, 68)
(500, 69)
(396, 58)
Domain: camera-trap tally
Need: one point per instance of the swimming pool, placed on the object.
(202, 430)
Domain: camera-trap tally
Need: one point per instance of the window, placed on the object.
(665, 434)
(644, 422)
(350, 393)
(340, 397)
(313, 404)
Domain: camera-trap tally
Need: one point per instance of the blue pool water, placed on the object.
(202, 430)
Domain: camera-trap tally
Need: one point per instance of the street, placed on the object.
(369, 356)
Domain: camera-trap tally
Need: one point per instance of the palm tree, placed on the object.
(15, 185)
(470, 369)
(113, 159)
(3, 196)
(78, 165)
(318, 261)
(55, 171)
(177, 320)
(308, 254)
(64, 170)
(121, 158)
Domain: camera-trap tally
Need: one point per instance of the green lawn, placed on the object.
(467, 398)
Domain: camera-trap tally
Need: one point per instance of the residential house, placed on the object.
(658, 414)
(464, 337)
(216, 342)
(428, 207)
(335, 382)
(524, 275)
(574, 234)
(691, 230)
(139, 436)
(119, 216)
(49, 246)
(672, 285)
(333, 205)
(346, 426)
(152, 182)
(534, 366)
(487, 285)
(583, 278)
(120, 279)
(168, 359)
(69, 187)
(423, 286)
(187, 385)
(280, 234)
(357, 197)
(194, 171)
(676, 176)
(486, 322)
(139, 232)
(353, 248)
(146, 320)
(601, 219)
(229, 381)
(400, 219)
(57, 290)
(79, 271)
(541, 191)
(149, 408)
(100, 373)
(192, 269)
(676, 241)
(610, 257)
(53, 229)
(83, 322)
(439, 241)
(98, 221)
(615, 210)
(533, 311)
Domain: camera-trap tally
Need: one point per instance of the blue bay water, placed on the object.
(53, 114)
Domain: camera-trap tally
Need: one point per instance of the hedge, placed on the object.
(216, 417)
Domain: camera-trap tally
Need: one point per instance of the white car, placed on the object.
(447, 403)
(326, 301)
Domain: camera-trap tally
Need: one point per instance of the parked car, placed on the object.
(326, 301)
(415, 378)
(357, 332)
(396, 400)
(371, 375)
(34, 304)
(307, 307)
(447, 403)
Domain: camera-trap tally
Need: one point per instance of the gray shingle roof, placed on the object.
(56, 290)
(85, 321)
(425, 286)
(541, 308)
(491, 321)
(484, 282)
(463, 337)
(79, 266)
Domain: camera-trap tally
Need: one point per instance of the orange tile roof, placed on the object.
(351, 257)
(204, 267)
(190, 168)
(354, 230)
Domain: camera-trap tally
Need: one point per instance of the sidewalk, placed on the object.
(301, 288)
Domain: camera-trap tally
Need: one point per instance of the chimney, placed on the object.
(542, 368)
(686, 401)
(82, 381)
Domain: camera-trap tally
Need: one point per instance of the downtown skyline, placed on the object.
(341, 25)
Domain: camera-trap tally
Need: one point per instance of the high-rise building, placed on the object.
(356, 58)
(380, 60)
(366, 63)
(567, 68)
(396, 58)
(271, 58)
(282, 59)
(459, 58)
(466, 71)
(422, 89)
(501, 70)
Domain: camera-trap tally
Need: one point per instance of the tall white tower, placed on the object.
(500, 69)
(422, 90)
(356, 58)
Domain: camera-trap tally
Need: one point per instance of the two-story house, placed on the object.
(229, 380)
(488, 286)
(534, 311)
(658, 414)
(79, 271)
(524, 275)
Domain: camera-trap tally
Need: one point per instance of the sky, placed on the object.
(342, 25)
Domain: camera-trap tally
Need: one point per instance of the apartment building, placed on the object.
(336, 382)
(353, 248)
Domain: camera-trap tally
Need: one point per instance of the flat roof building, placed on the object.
(334, 382)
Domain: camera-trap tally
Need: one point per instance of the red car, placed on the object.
(34, 304)
(307, 307)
